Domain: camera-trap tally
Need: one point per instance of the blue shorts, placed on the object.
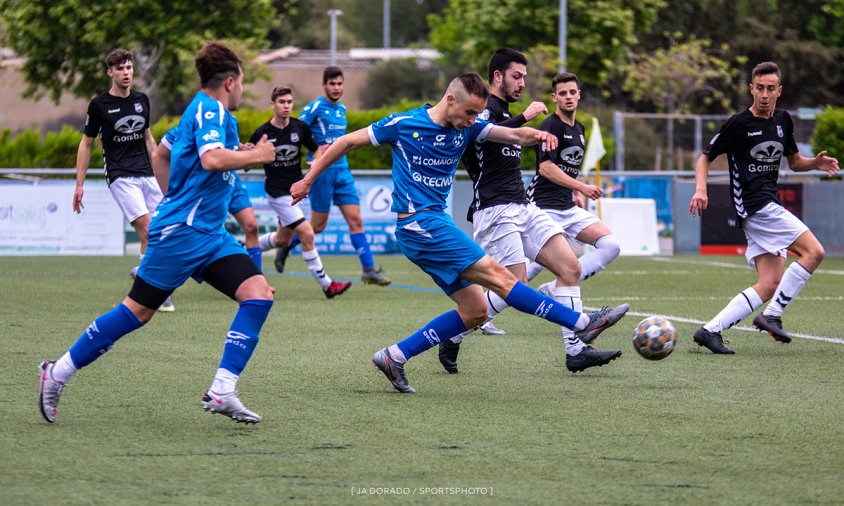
(431, 240)
(334, 185)
(182, 253)
(240, 199)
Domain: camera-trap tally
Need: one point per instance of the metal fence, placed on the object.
(673, 142)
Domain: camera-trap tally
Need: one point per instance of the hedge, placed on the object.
(829, 132)
(31, 149)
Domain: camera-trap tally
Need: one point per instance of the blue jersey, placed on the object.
(425, 156)
(197, 197)
(240, 196)
(327, 121)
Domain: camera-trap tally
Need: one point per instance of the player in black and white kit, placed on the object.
(755, 141)
(289, 135)
(120, 117)
(509, 227)
(556, 190)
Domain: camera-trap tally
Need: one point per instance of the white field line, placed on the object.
(728, 265)
(745, 329)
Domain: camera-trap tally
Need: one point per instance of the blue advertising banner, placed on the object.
(378, 221)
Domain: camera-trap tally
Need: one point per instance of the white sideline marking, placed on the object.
(729, 265)
(746, 329)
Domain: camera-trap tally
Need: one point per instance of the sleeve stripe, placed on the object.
(371, 133)
(208, 147)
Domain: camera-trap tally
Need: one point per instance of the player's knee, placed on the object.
(318, 227)
(610, 246)
(473, 315)
(250, 227)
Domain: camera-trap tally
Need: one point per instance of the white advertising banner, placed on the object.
(39, 220)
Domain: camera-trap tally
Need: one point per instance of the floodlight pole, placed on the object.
(334, 13)
(562, 32)
(386, 24)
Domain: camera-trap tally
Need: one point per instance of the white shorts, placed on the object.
(513, 233)
(136, 196)
(771, 230)
(288, 214)
(573, 220)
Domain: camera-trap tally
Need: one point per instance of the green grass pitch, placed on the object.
(514, 427)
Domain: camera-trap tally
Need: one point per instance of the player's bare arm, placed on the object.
(335, 151)
(161, 166)
(150, 142)
(226, 159)
(83, 158)
(524, 136)
(799, 163)
(700, 200)
(550, 171)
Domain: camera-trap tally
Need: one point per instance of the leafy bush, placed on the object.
(829, 132)
(29, 149)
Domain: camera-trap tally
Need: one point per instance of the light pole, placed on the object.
(562, 30)
(386, 24)
(334, 13)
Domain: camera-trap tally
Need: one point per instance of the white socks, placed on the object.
(790, 285)
(224, 382)
(267, 241)
(606, 250)
(742, 305)
(315, 266)
(570, 297)
(495, 304)
(64, 369)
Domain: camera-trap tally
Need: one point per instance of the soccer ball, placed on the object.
(654, 338)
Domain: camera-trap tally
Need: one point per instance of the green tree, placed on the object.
(65, 41)
(599, 31)
(668, 78)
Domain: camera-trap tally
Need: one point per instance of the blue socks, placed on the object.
(101, 335)
(528, 300)
(243, 334)
(255, 255)
(362, 249)
(441, 328)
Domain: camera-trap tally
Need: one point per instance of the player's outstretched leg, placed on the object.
(390, 361)
(241, 339)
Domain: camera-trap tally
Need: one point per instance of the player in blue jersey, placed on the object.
(326, 117)
(427, 144)
(240, 206)
(187, 239)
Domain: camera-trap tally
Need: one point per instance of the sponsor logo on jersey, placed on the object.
(139, 108)
(286, 152)
(294, 137)
(769, 153)
(130, 127)
(754, 134)
(439, 140)
(572, 156)
(433, 182)
(567, 136)
(209, 114)
(484, 114)
(112, 111)
(213, 135)
(514, 151)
